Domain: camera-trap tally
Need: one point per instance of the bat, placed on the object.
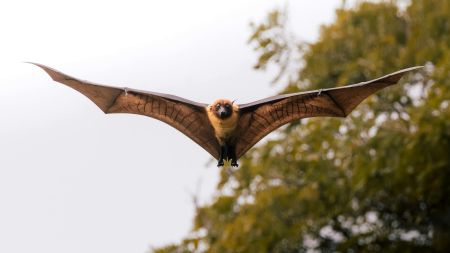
(223, 128)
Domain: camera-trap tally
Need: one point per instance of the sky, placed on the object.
(75, 180)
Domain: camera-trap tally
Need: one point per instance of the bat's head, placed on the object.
(223, 108)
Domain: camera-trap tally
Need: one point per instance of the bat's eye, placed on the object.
(217, 107)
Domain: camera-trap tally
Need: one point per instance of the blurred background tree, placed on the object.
(377, 181)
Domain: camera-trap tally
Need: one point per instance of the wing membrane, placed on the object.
(187, 116)
(261, 117)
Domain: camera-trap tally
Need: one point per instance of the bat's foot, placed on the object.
(227, 163)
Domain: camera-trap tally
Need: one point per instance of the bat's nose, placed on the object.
(223, 113)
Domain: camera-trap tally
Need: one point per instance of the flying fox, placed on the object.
(223, 128)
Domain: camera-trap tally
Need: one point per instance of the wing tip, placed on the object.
(394, 77)
(408, 70)
(54, 74)
(37, 64)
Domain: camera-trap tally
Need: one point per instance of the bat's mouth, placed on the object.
(223, 113)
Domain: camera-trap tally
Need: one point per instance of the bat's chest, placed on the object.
(224, 128)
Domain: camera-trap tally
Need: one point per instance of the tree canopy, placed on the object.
(377, 181)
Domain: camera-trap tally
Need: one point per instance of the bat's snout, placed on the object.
(224, 113)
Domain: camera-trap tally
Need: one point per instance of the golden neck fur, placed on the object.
(223, 128)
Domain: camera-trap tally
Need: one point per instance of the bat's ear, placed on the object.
(235, 106)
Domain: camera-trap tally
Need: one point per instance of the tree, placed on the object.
(377, 181)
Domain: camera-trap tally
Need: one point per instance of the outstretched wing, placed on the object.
(187, 116)
(261, 117)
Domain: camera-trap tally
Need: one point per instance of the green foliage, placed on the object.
(362, 43)
(377, 181)
(274, 43)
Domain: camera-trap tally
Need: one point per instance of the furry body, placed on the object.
(223, 115)
(224, 128)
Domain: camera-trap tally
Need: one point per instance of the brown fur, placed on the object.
(223, 128)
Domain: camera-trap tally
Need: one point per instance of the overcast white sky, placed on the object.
(74, 180)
